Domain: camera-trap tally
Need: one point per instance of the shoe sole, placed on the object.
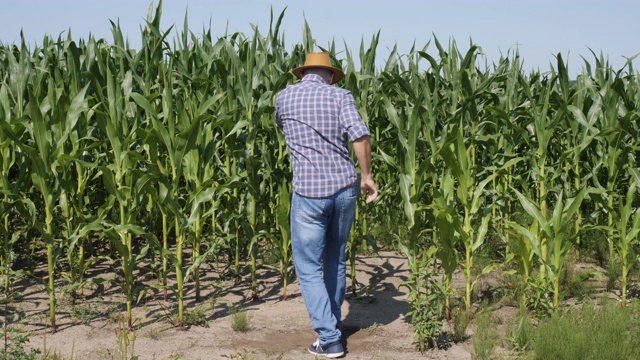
(329, 356)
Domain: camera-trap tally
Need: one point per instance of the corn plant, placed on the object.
(277, 174)
(196, 174)
(12, 108)
(459, 156)
(582, 133)
(471, 198)
(361, 82)
(121, 171)
(556, 231)
(543, 132)
(199, 179)
(408, 122)
(12, 161)
(447, 222)
(79, 175)
(202, 185)
(176, 137)
(504, 133)
(104, 146)
(277, 169)
(247, 66)
(613, 145)
(408, 116)
(628, 227)
(53, 118)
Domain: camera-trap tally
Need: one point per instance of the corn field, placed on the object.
(166, 157)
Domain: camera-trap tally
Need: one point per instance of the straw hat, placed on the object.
(319, 60)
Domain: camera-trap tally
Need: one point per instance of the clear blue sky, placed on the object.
(541, 28)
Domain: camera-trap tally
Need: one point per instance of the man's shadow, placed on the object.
(375, 300)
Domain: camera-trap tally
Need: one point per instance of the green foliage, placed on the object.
(606, 332)
(539, 298)
(240, 320)
(196, 316)
(14, 349)
(485, 337)
(427, 308)
(574, 282)
(521, 332)
(105, 149)
(612, 273)
(460, 323)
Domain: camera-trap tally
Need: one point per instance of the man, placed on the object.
(318, 120)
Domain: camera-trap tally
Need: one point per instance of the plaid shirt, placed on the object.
(317, 120)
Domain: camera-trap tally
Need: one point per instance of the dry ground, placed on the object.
(375, 324)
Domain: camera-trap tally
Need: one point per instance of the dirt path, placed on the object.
(375, 325)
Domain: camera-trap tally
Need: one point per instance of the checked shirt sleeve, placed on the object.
(278, 119)
(350, 119)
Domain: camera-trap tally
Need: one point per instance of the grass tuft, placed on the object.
(485, 337)
(521, 332)
(155, 332)
(240, 321)
(460, 324)
(196, 317)
(606, 332)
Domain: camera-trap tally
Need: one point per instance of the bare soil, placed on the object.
(375, 326)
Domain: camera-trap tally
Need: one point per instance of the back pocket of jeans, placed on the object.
(311, 211)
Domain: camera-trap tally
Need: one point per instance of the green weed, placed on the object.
(608, 332)
(155, 332)
(240, 321)
(373, 327)
(613, 273)
(521, 333)
(85, 313)
(485, 337)
(15, 348)
(460, 324)
(196, 316)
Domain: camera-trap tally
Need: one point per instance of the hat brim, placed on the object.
(337, 73)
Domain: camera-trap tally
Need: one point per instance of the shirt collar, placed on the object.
(314, 78)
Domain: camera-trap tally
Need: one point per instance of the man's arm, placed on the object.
(362, 148)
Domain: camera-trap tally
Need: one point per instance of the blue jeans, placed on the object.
(319, 232)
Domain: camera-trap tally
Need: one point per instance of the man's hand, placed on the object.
(369, 189)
